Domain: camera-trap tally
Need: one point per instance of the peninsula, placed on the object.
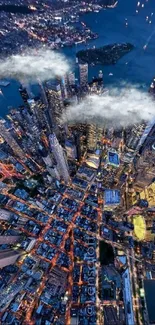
(106, 55)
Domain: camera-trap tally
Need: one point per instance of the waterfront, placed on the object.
(110, 24)
(121, 24)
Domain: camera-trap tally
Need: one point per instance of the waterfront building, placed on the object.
(24, 94)
(96, 86)
(83, 71)
(71, 79)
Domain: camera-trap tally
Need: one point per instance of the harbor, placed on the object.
(135, 67)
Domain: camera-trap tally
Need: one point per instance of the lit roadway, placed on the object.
(135, 288)
(8, 171)
(40, 239)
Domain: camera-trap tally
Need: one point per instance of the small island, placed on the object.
(105, 55)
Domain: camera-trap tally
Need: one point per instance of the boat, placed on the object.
(79, 42)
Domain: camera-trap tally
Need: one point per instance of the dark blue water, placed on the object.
(16, 9)
(110, 25)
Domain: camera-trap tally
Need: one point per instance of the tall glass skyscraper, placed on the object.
(83, 70)
(59, 156)
(10, 140)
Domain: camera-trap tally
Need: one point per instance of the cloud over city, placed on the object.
(117, 107)
(33, 64)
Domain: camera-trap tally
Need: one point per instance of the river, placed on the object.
(137, 67)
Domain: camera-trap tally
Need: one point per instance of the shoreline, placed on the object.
(105, 55)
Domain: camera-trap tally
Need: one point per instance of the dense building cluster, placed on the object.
(38, 23)
(77, 224)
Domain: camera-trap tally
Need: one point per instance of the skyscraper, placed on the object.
(96, 86)
(83, 70)
(91, 137)
(71, 79)
(43, 94)
(8, 257)
(54, 96)
(45, 156)
(147, 138)
(24, 94)
(134, 136)
(51, 168)
(63, 84)
(60, 158)
(10, 140)
(26, 86)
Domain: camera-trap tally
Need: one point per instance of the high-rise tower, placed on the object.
(148, 137)
(8, 257)
(43, 94)
(10, 140)
(60, 158)
(91, 137)
(24, 94)
(71, 79)
(83, 70)
(54, 96)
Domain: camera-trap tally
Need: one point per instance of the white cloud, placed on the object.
(33, 64)
(118, 107)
